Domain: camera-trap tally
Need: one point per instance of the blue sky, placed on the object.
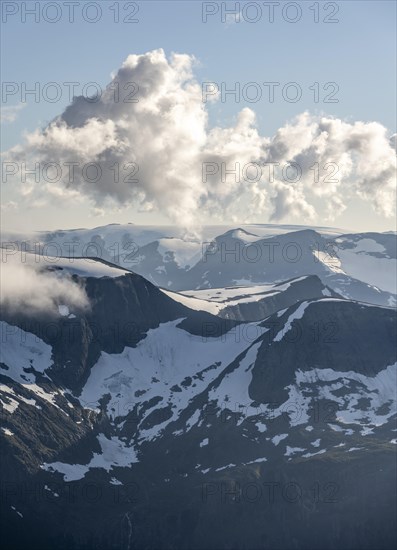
(357, 53)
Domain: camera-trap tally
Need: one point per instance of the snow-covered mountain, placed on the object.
(356, 266)
(264, 406)
(252, 303)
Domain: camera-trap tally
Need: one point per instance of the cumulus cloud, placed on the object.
(25, 288)
(149, 134)
(289, 201)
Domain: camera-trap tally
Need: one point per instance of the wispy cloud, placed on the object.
(10, 113)
(29, 289)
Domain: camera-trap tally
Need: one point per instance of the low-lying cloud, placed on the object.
(29, 290)
(159, 144)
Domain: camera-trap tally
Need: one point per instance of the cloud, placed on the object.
(149, 134)
(25, 288)
(10, 205)
(339, 159)
(290, 201)
(233, 18)
(10, 112)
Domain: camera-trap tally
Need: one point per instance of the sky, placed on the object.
(339, 57)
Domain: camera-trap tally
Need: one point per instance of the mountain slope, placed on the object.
(198, 421)
(255, 302)
(121, 310)
(232, 260)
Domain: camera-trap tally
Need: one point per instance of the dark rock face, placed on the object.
(304, 289)
(339, 335)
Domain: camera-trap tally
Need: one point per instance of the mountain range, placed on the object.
(233, 390)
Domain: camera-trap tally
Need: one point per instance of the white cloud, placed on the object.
(290, 201)
(26, 288)
(167, 135)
